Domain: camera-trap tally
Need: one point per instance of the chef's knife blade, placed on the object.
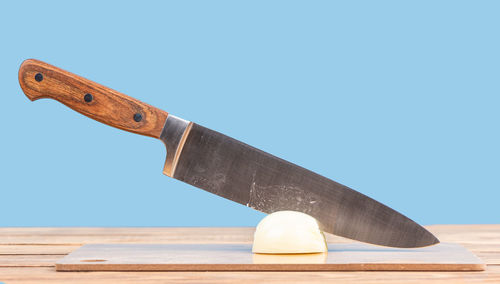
(229, 168)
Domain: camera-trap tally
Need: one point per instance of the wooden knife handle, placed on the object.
(41, 80)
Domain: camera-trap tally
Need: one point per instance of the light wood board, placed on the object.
(28, 255)
(238, 257)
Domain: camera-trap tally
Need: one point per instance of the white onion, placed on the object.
(288, 232)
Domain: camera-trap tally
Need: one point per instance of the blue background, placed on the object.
(397, 99)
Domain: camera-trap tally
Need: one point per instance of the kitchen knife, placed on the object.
(227, 167)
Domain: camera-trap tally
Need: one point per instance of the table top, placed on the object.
(27, 255)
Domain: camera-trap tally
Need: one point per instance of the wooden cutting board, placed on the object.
(227, 257)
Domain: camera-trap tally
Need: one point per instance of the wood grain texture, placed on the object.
(29, 260)
(483, 240)
(239, 257)
(13, 250)
(22, 275)
(106, 105)
(81, 236)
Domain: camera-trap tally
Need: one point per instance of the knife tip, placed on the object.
(428, 240)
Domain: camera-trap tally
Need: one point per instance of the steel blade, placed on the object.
(234, 170)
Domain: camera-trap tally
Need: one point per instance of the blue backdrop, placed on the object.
(397, 99)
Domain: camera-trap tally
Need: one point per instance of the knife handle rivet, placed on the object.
(137, 117)
(88, 98)
(38, 77)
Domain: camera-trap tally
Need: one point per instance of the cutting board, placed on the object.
(231, 257)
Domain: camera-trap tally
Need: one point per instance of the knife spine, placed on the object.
(174, 135)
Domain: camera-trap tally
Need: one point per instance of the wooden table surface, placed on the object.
(27, 255)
